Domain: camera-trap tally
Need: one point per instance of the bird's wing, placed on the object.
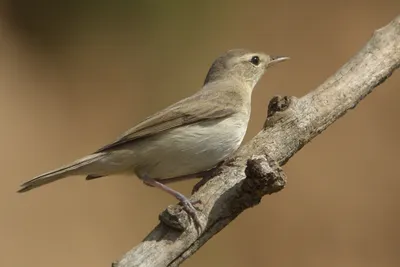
(207, 104)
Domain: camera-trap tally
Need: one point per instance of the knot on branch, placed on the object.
(174, 217)
(263, 176)
(276, 107)
(177, 218)
(278, 104)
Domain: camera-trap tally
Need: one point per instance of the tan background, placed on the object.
(74, 76)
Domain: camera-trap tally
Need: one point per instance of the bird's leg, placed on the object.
(180, 178)
(186, 203)
(199, 175)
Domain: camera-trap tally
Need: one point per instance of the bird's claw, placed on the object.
(189, 207)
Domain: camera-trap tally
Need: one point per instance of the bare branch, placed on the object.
(254, 170)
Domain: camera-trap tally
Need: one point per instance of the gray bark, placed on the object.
(254, 171)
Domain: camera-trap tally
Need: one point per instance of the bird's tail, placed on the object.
(81, 166)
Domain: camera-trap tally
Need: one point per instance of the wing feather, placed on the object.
(207, 104)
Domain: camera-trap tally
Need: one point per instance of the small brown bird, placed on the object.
(186, 138)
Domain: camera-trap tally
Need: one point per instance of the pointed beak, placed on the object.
(277, 59)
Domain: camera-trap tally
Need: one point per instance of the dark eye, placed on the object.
(255, 60)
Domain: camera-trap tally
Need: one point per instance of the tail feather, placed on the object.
(75, 168)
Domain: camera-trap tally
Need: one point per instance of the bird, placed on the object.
(185, 139)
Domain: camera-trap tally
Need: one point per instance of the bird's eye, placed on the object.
(255, 60)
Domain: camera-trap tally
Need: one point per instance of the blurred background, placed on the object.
(75, 74)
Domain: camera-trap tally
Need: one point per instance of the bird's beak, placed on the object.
(277, 59)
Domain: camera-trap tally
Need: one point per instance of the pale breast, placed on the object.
(190, 149)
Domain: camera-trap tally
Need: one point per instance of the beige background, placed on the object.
(74, 76)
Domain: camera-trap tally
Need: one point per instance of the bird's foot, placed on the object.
(191, 210)
(186, 204)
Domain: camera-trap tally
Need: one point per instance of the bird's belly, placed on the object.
(190, 149)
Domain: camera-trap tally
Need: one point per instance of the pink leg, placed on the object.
(198, 175)
(178, 179)
(187, 205)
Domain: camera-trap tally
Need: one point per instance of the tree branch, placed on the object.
(254, 170)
